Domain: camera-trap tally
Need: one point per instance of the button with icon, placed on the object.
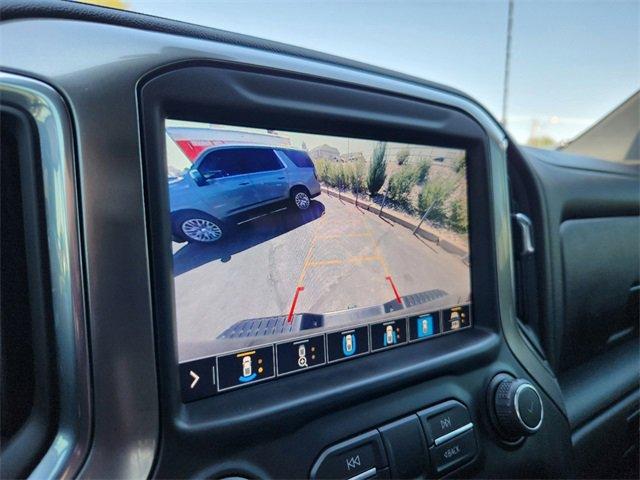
(456, 318)
(347, 344)
(245, 367)
(388, 334)
(424, 326)
(198, 379)
(300, 354)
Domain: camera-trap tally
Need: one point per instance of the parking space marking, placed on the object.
(376, 244)
(342, 261)
(309, 254)
(309, 262)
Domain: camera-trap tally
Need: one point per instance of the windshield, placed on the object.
(556, 74)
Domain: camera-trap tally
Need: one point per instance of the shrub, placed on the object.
(377, 169)
(357, 176)
(460, 164)
(338, 175)
(402, 156)
(422, 170)
(322, 170)
(401, 183)
(433, 196)
(458, 219)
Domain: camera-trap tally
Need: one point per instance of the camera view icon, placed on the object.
(454, 321)
(302, 356)
(349, 344)
(390, 336)
(247, 370)
(457, 318)
(424, 325)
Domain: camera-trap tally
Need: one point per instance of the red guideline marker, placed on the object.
(395, 290)
(293, 304)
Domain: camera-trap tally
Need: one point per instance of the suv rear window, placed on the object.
(301, 159)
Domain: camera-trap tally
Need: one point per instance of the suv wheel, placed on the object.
(301, 199)
(199, 228)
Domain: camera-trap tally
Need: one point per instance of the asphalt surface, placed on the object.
(342, 256)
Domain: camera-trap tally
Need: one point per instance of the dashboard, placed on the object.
(236, 293)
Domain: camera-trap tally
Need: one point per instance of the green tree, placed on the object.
(377, 168)
(402, 156)
(401, 183)
(422, 170)
(458, 217)
(433, 198)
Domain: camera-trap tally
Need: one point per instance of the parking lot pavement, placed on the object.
(342, 257)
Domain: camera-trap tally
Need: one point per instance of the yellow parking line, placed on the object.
(376, 244)
(340, 261)
(307, 258)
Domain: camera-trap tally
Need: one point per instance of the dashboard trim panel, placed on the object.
(51, 118)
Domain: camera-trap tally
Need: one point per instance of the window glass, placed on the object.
(261, 160)
(535, 66)
(224, 163)
(301, 159)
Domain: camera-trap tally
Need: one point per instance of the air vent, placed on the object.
(524, 254)
(28, 400)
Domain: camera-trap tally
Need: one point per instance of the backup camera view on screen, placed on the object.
(292, 251)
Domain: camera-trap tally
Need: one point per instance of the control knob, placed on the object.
(517, 406)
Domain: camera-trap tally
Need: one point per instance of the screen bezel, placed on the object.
(239, 95)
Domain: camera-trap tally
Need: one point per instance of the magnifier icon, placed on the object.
(302, 356)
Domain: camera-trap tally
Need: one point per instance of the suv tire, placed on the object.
(300, 198)
(197, 227)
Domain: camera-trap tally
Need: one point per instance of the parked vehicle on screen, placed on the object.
(226, 182)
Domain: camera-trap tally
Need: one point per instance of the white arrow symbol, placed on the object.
(195, 378)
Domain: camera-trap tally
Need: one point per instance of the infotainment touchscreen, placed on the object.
(294, 251)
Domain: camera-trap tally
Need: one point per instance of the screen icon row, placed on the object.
(205, 377)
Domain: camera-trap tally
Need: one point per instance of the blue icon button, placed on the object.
(390, 336)
(424, 325)
(349, 344)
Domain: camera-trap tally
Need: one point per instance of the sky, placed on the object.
(572, 62)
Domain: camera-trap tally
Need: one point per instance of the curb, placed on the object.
(423, 232)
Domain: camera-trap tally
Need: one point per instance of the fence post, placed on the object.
(384, 200)
(424, 216)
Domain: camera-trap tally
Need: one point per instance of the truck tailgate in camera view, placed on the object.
(365, 244)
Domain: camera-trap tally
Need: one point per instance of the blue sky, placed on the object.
(572, 62)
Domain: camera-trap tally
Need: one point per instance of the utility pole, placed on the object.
(507, 66)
